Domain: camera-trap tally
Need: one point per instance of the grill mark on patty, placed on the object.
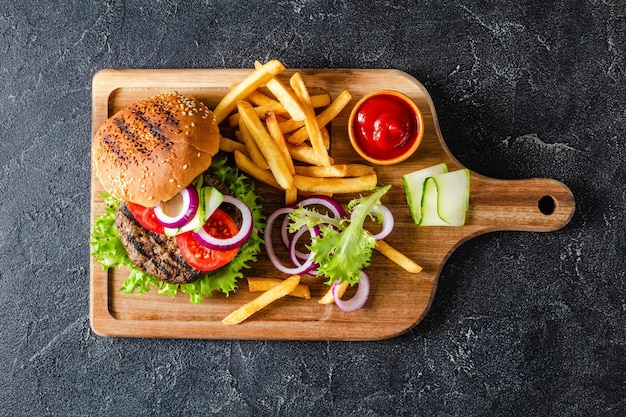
(137, 245)
(155, 254)
(164, 267)
(127, 213)
(155, 236)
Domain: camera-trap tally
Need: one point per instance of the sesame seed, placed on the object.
(185, 166)
(171, 179)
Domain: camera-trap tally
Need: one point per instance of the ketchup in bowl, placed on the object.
(386, 127)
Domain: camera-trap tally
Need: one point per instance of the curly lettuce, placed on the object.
(343, 248)
(110, 253)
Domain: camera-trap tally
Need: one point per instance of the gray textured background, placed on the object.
(522, 323)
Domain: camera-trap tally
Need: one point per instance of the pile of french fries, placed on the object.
(276, 122)
(282, 140)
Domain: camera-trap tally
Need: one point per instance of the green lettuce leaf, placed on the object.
(109, 251)
(343, 248)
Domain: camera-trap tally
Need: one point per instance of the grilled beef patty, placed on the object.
(156, 254)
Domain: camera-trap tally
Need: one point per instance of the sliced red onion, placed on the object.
(295, 254)
(359, 298)
(184, 205)
(269, 246)
(233, 242)
(388, 221)
(284, 232)
(330, 203)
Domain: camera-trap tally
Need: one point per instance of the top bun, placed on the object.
(149, 151)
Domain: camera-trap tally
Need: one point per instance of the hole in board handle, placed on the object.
(546, 205)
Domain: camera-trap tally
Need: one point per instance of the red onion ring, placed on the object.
(269, 246)
(297, 235)
(284, 232)
(233, 242)
(186, 212)
(330, 203)
(295, 254)
(359, 298)
(388, 221)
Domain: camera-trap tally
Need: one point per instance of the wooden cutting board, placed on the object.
(398, 300)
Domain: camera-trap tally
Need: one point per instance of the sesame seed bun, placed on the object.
(149, 151)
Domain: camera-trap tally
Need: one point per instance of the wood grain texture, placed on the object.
(398, 300)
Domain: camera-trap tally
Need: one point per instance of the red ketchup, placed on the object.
(385, 127)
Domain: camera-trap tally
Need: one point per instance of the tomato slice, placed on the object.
(146, 217)
(219, 225)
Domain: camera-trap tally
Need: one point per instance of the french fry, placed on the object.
(328, 297)
(335, 185)
(325, 137)
(229, 145)
(259, 76)
(258, 98)
(248, 166)
(398, 257)
(305, 153)
(318, 100)
(263, 300)
(320, 193)
(256, 284)
(290, 125)
(263, 104)
(310, 123)
(325, 117)
(272, 127)
(252, 146)
(336, 171)
(285, 96)
(266, 144)
(291, 196)
(358, 170)
(260, 111)
(291, 193)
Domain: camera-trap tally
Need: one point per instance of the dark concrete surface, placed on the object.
(524, 324)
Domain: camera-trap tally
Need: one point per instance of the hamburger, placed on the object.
(148, 152)
(147, 156)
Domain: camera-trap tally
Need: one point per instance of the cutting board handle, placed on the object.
(536, 204)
